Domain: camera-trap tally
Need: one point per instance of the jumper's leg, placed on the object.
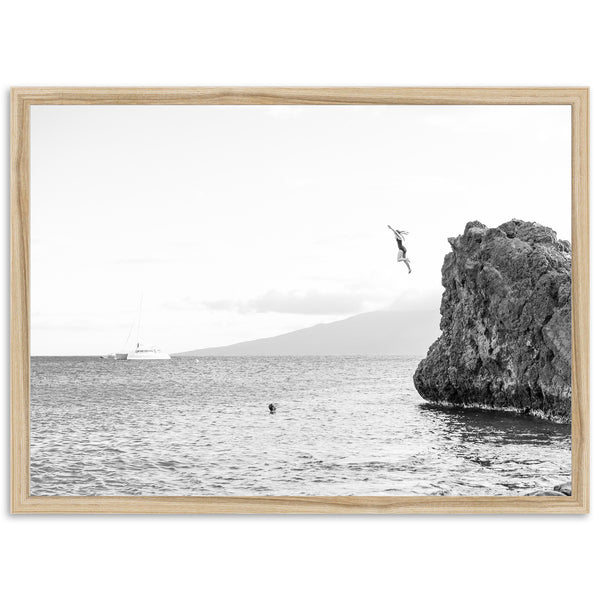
(407, 262)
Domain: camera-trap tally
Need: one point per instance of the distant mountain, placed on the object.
(380, 332)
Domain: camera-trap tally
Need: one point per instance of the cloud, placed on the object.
(295, 302)
(307, 303)
(358, 298)
(219, 304)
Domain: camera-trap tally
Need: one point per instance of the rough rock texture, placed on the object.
(506, 322)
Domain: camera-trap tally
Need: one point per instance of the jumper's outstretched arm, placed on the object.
(397, 232)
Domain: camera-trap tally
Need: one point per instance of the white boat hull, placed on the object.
(148, 356)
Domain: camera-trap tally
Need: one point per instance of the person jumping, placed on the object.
(399, 235)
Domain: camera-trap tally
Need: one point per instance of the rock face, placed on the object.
(506, 322)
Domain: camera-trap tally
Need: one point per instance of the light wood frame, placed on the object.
(21, 101)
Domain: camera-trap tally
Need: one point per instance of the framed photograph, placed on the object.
(300, 300)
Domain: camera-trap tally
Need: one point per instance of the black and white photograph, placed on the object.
(300, 300)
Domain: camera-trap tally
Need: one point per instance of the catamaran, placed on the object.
(141, 351)
(147, 353)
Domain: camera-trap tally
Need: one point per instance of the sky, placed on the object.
(231, 223)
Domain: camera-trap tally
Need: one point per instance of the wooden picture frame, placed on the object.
(22, 99)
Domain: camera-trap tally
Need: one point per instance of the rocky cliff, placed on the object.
(506, 322)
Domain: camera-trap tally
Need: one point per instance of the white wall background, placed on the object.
(522, 42)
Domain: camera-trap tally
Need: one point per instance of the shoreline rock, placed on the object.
(505, 321)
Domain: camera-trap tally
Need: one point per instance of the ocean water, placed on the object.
(343, 426)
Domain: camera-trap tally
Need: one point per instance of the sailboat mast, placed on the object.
(139, 320)
(125, 345)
